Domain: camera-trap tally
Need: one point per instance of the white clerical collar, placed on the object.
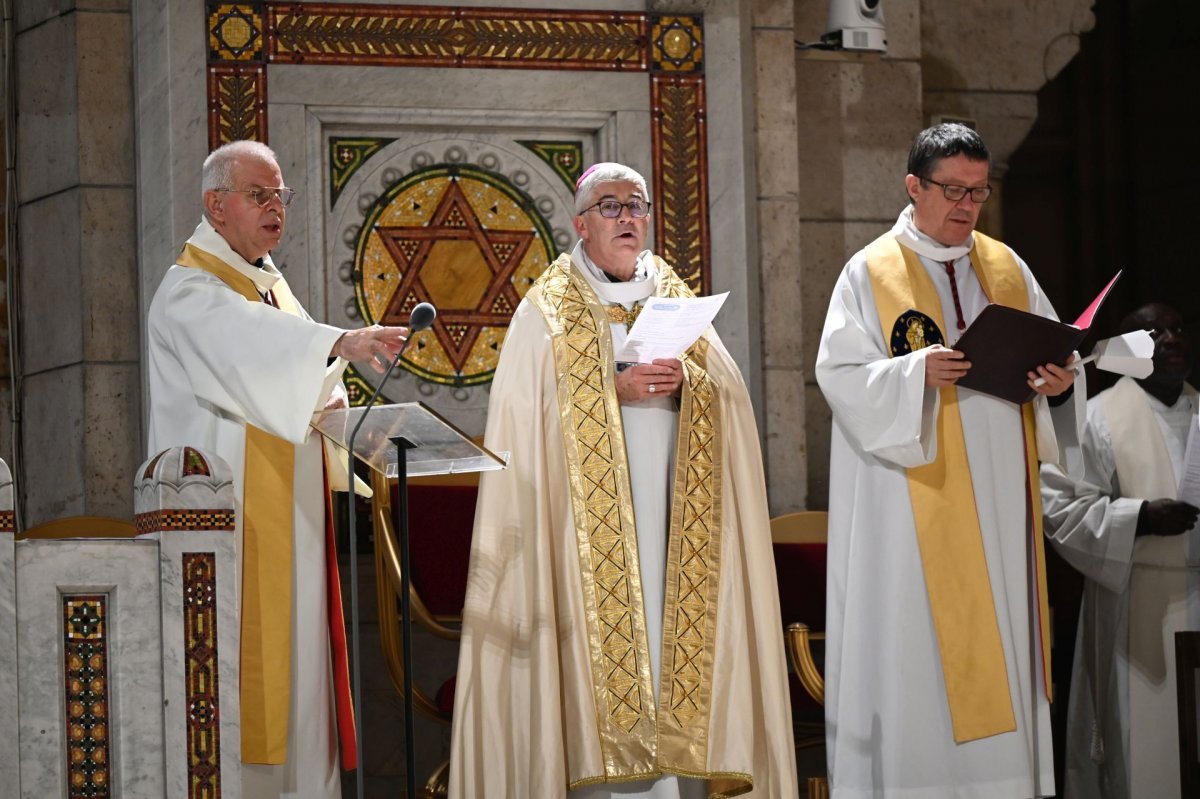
(907, 234)
(643, 283)
(205, 237)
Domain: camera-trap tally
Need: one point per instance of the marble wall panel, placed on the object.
(175, 708)
(127, 571)
(9, 755)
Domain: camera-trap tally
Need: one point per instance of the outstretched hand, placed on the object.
(376, 345)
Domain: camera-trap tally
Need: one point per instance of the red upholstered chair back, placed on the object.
(800, 544)
(441, 514)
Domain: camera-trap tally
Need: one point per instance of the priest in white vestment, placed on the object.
(621, 634)
(1121, 526)
(936, 649)
(237, 368)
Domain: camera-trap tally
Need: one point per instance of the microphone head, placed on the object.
(422, 316)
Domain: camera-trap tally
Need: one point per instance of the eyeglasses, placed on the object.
(264, 195)
(954, 193)
(611, 209)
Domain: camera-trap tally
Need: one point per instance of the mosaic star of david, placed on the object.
(436, 268)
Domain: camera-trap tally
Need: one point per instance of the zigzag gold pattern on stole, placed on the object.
(693, 563)
(594, 443)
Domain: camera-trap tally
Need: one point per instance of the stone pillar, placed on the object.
(78, 317)
(856, 117)
(10, 770)
(184, 498)
(781, 261)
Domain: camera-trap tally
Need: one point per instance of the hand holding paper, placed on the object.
(667, 326)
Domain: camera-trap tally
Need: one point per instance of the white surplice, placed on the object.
(1122, 739)
(217, 362)
(888, 725)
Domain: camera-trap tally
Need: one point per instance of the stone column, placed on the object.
(856, 118)
(77, 321)
(781, 259)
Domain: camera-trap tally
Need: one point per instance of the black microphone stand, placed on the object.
(352, 528)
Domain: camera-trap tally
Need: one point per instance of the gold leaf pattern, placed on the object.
(394, 35)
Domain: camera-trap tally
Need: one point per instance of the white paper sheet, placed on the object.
(667, 326)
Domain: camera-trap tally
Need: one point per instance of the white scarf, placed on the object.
(907, 234)
(627, 292)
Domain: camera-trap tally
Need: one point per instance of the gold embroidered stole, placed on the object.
(267, 508)
(638, 739)
(943, 500)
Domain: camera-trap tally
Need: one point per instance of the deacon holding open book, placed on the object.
(621, 631)
(937, 658)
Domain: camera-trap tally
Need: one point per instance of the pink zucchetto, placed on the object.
(605, 172)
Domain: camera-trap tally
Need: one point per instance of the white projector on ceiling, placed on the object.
(856, 25)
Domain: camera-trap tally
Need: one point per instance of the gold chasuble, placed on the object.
(638, 738)
(556, 690)
(266, 557)
(943, 500)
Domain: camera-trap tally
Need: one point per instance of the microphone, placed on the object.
(419, 319)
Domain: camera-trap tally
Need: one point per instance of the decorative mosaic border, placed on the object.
(243, 38)
(8, 521)
(85, 667)
(201, 675)
(173, 520)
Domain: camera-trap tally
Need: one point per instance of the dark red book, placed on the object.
(1004, 345)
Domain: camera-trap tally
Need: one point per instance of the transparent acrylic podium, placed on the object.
(400, 441)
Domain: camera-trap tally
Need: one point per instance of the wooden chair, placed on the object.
(438, 580)
(800, 541)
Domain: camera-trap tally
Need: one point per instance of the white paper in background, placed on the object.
(1189, 492)
(1129, 354)
(667, 326)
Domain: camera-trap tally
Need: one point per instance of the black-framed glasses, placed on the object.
(955, 193)
(611, 209)
(263, 195)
